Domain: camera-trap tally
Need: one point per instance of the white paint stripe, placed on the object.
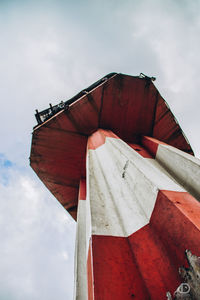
(80, 292)
(183, 166)
(122, 188)
(88, 209)
(152, 170)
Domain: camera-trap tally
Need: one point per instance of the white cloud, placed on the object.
(49, 51)
(34, 250)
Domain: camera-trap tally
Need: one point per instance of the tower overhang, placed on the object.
(131, 107)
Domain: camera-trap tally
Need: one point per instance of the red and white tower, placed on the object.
(117, 160)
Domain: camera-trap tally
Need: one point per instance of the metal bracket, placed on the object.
(142, 75)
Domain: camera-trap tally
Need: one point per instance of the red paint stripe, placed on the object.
(90, 274)
(98, 138)
(151, 144)
(82, 190)
(145, 265)
(116, 275)
(176, 220)
(140, 150)
(138, 267)
(155, 265)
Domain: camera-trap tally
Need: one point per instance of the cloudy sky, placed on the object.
(49, 51)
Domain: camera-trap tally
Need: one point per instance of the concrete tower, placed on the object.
(116, 158)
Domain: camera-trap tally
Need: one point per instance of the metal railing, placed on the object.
(46, 114)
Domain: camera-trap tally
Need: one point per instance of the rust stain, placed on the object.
(92, 102)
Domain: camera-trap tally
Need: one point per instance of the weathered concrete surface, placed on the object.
(123, 184)
(184, 167)
(191, 275)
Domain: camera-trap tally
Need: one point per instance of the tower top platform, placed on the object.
(130, 106)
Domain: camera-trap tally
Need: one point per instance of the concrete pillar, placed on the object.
(185, 168)
(139, 222)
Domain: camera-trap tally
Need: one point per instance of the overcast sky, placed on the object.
(49, 51)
